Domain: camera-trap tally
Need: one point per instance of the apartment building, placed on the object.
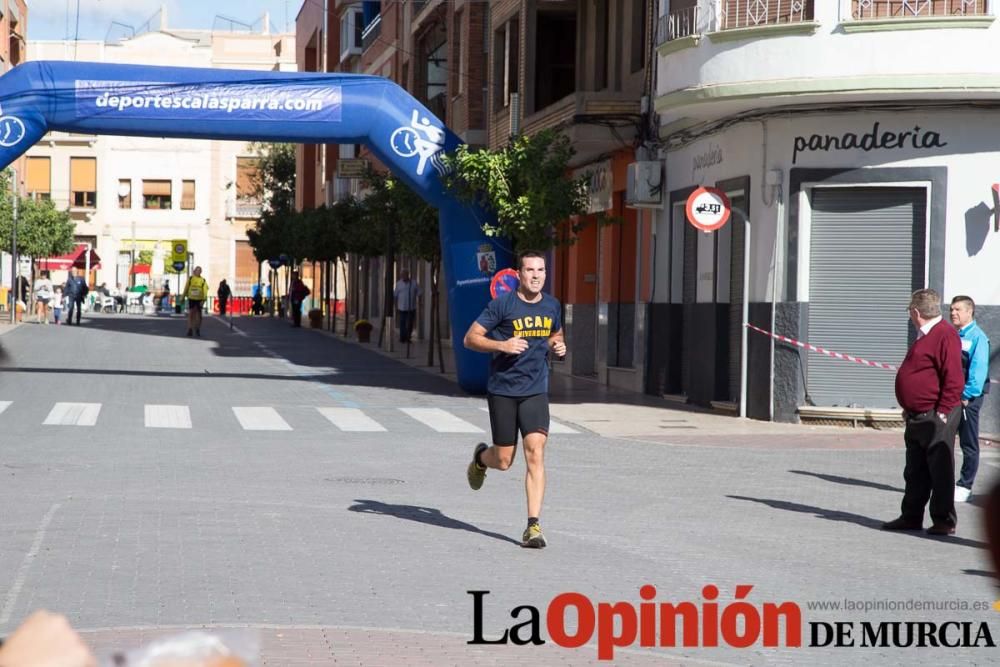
(436, 50)
(131, 196)
(584, 68)
(858, 138)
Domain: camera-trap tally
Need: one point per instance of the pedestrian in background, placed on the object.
(57, 304)
(76, 291)
(929, 386)
(976, 364)
(44, 294)
(223, 295)
(406, 294)
(297, 293)
(195, 291)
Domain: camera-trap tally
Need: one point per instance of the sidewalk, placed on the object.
(617, 413)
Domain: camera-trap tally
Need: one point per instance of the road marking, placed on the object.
(22, 571)
(168, 416)
(261, 419)
(4, 405)
(350, 419)
(554, 426)
(73, 414)
(441, 421)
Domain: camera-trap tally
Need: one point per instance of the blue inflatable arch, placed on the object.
(100, 98)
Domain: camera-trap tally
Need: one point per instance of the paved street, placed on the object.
(314, 490)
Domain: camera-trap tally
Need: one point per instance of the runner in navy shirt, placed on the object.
(519, 329)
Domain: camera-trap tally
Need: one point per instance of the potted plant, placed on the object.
(316, 318)
(364, 330)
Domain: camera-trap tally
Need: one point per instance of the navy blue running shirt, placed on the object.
(508, 316)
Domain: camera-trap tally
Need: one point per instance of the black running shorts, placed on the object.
(510, 414)
(195, 304)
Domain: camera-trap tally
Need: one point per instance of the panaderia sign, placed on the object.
(876, 139)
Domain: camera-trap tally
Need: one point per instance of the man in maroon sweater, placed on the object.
(929, 387)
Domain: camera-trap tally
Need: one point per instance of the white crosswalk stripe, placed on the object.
(168, 416)
(4, 405)
(261, 419)
(441, 421)
(554, 426)
(351, 419)
(73, 414)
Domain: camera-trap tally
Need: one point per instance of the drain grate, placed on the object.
(371, 481)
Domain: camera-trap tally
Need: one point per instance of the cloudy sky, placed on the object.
(57, 19)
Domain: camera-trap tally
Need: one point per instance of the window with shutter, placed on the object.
(83, 182)
(187, 195)
(156, 194)
(39, 177)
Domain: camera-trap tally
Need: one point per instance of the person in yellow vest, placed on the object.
(196, 291)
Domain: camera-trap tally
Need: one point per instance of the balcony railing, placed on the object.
(371, 33)
(736, 14)
(907, 9)
(678, 24)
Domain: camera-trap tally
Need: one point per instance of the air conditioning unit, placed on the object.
(644, 185)
(351, 25)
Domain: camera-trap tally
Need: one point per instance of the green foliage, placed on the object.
(145, 257)
(42, 230)
(416, 221)
(275, 182)
(525, 185)
(268, 237)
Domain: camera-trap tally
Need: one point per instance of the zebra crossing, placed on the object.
(410, 420)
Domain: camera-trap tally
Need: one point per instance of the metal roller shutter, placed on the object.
(866, 257)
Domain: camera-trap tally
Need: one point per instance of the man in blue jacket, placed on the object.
(976, 364)
(76, 291)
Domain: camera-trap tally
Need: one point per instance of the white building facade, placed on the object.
(131, 196)
(858, 136)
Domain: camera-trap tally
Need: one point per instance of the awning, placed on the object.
(76, 259)
(141, 268)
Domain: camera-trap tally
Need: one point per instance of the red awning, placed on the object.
(76, 259)
(141, 268)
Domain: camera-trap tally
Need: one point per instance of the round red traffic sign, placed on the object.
(504, 281)
(708, 208)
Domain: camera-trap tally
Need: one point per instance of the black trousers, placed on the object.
(930, 467)
(297, 313)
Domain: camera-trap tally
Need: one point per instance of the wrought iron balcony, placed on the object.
(739, 14)
(371, 33)
(908, 9)
(678, 24)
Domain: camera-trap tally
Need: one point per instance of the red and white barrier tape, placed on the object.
(830, 353)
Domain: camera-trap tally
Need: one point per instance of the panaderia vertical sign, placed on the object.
(600, 186)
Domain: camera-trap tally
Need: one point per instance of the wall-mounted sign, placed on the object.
(877, 139)
(709, 158)
(708, 209)
(600, 186)
(351, 167)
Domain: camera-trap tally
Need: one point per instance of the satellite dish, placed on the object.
(124, 189)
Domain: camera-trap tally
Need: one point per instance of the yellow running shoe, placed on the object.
(533, 538)
(476, 473)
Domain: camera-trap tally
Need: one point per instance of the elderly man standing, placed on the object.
(929, 389)
(976, 364)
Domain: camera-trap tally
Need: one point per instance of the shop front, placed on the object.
(849, 213)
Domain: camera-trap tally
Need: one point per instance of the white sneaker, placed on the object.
(962, 494)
